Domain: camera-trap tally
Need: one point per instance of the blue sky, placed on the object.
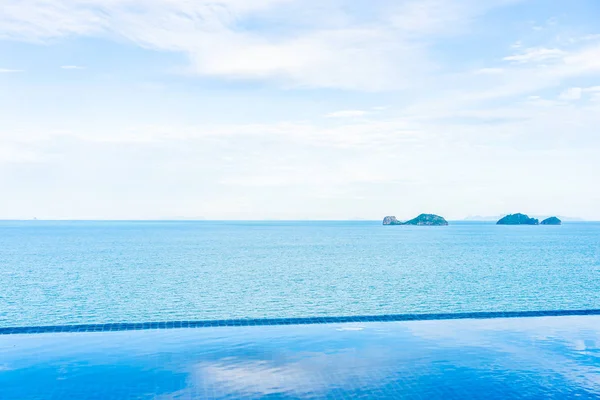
(290, 109)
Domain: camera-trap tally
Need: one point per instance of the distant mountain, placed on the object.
(540, 217)
(179, 218)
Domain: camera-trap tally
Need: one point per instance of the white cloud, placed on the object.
(71, 67)
(305, 376)
(18, 153)
(261, 377)
(9, 71)
(536, 55)
(325, 46)
(585, 60)
(366, 165)
(571, 94)
(593, 92)
(347, 114)
(524, 78)
(490, 71)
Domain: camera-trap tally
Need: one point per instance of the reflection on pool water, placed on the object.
(550, 357)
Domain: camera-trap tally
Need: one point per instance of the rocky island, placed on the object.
(421, 220)
(551, 221)
(391, 220)
(518, 219)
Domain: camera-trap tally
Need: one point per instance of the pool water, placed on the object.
(532, 358)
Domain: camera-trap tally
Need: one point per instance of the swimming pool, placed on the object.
(538, 357)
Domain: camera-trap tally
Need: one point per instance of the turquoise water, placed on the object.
(95, 272)
(531, 358)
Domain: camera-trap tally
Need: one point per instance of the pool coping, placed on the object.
(112, 327)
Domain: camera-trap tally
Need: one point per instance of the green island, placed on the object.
(518, 219)
(522, 219)
(421, 220)
(551, 221)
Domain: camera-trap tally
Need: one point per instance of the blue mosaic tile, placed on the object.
(290, 321)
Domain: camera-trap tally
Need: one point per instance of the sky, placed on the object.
(298, 109)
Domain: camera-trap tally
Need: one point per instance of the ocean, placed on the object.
(74, 272)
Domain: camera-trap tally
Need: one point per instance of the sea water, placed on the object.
(95, 272)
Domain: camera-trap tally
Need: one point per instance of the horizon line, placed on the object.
(466, 219)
